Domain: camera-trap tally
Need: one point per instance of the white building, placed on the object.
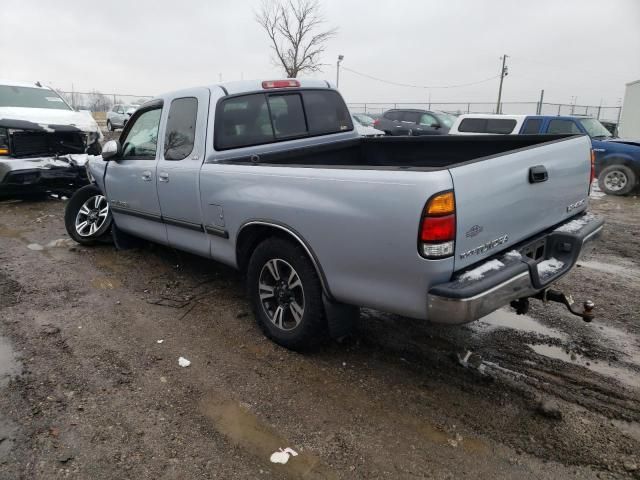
(630, 119)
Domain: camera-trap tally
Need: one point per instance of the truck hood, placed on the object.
(626, 141)
(46, 119)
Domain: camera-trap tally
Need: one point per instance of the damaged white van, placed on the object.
(44, 142)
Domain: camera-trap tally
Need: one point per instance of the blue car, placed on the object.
(617, 161)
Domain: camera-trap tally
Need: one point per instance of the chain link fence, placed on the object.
(605, 113)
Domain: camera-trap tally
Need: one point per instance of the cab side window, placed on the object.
(141, 139)
(562, 127)
(181, 128)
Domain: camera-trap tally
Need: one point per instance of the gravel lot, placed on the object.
(90, 386)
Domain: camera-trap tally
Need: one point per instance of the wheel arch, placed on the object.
(622, 159)
(253, 232)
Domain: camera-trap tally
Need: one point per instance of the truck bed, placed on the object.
(427, 152)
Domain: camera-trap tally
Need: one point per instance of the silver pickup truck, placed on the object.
(271, 178)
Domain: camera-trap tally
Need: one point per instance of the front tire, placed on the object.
(87, 216)
(286, 295)
(110, 126)
(617, 179)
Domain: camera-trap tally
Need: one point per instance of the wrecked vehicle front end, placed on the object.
(62, 175)
(44, 143)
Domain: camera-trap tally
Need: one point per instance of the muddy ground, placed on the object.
(90, 386)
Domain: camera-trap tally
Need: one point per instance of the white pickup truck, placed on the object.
(272, 178)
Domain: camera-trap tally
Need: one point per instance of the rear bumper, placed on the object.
(516, 275)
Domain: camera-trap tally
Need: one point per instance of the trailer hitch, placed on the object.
(549, 295)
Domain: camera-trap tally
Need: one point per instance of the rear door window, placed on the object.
(411, 117)
(532, 126)
(562, 127)
(181, 128)
(487, 125)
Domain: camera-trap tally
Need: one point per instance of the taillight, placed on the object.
(593, 169)
(438, 227)
(4, 141)
(376, 122)
(280, 84)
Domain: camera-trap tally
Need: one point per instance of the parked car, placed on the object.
(363, 124)
(414, 122)
(119, 115)
(617, 161)
(43, 141)
(271, 178)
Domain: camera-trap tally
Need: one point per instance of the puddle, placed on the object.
(9, 232)
(620, 374)
(247, 431)
(630, 429)
(503, 319)
(104, 283)
(9, 365)
(622, 270)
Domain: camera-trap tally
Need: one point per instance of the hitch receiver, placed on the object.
(550, 295)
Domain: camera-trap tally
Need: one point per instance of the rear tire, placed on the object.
(286, 295)
(87, 216)
(110, 126)
(617, 179)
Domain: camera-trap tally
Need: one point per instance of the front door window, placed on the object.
(141, 141)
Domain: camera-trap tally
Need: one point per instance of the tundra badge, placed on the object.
(578, 204)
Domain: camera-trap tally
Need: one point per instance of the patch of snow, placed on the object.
(159, 341)
(478, 272)
(282, 456)
(549, 267)
(595, 191)
(575, 225)
(183, 362)
(513, 255)
(35, 246)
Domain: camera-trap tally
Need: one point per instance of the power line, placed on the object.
(425, 87)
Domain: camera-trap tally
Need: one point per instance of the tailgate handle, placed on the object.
(538, 174)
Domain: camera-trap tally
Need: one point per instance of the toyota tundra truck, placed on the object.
(271, 178)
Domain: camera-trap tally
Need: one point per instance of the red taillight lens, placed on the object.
(438, 229)
(376, 122)
(593, 165)
(280, 84)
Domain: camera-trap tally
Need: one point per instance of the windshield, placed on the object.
(11, 96)
(365, 120)
(446, 119)
(594, 128)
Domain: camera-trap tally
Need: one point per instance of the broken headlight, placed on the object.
(4, 141)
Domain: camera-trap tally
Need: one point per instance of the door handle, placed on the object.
(163, 177)
(538, 174)
(146, 176)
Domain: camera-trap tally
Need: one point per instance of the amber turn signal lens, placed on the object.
(442, 204)
(4, 151)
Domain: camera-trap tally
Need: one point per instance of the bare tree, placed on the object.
(295, 30)
(98, 102)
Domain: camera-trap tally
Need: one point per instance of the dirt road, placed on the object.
(90, 386)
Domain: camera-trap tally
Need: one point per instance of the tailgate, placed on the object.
(498, 204)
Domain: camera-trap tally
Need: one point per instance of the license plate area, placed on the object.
(535, 250)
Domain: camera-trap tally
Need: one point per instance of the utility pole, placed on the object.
(503, 73)
(540, 102)
(340, 58)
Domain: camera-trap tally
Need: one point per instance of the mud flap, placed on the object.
(341, 318)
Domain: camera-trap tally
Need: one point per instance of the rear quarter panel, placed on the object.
(362, 225)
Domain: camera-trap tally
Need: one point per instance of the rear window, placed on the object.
(532, 126)
(487, 125)
(260, 118)
(392, 115)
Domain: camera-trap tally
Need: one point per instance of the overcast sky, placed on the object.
(583, 48)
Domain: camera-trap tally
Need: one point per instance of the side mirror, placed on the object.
(110, 150)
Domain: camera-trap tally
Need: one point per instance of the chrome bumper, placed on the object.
(459, 302)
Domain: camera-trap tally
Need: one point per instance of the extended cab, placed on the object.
(617, 161)
(43, 142)
(272, 178)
